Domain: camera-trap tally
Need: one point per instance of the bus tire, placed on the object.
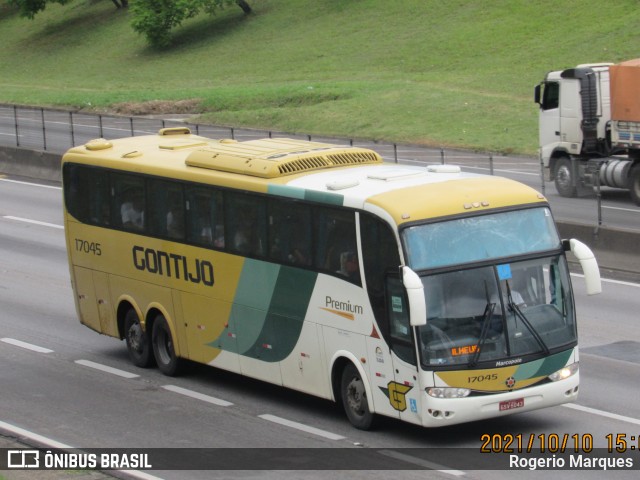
(138, 341)
(634, 184)
(163, 349)
(354, 398)
(563, 178)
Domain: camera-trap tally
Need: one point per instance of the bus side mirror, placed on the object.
(415, 296)
(588, 263)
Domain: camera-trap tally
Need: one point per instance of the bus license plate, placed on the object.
(510, 404)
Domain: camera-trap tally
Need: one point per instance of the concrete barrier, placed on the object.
(617, 250)
(30, 163)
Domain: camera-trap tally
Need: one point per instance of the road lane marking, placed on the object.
(602, 413)
(301, 427)
(36, 438)
(107, 369)
(28, 346)
(633, 210)
(197, 395)
(31, 184)
(422, 463)
(35, 222)
(608, 280)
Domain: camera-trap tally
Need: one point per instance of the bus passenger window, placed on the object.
(205, 217)
(245, 218)
(290, 232)
(336, 241)
(129, 201)
(87, 194)
(167, 217)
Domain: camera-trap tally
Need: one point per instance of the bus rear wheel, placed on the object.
(354, 398)
(138, 344)
(163, 348)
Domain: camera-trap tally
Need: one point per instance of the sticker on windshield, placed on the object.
(504, 271)
(396, 304)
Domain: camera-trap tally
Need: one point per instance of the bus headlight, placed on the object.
(564, 372)
(442, 392)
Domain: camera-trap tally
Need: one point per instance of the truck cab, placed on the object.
(581, 143)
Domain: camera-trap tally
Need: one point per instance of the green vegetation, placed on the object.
(455, 73)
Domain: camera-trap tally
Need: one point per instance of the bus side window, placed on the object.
(205, 217)
(336, 243)
(290, 232)
(398, 313)
(379, 256)
(166, 219)
(128, 202)
(87, 194)
(245, 224)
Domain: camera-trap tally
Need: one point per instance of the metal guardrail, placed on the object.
(56, 131)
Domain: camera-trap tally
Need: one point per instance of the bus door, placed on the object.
(404, 391)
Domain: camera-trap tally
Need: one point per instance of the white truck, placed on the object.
(590, 127)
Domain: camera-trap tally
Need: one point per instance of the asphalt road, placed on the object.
(65, 382)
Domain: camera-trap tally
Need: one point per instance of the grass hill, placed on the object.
(443, 73)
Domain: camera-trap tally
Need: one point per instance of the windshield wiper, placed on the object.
(486, 321)
(516, 310)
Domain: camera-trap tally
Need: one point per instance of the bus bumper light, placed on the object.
(441, 392)
(564, 372)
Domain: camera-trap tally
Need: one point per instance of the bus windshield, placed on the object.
(497, 312)
(482, 237)
(502, 309)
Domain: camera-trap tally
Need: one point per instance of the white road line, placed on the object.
(301, 426)
(198, 396)
(602, 413)
(422, 463)
(105, 368)
(35, 222)
(31, 184)
(50, 443)
(28, 346)
(634, 210)
(608, 280)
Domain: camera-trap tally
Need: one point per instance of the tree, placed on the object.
(155, 18)
(29, 8)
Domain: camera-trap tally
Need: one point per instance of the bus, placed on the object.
(422, 293)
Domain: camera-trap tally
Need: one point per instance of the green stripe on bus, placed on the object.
(285, 316)
(286, 191)
(311, 195)
(544, 366)
(250, 306)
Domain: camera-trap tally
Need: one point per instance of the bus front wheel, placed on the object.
(138, 344)
(354, 398)
(163, 349)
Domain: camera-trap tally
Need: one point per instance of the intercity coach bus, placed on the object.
(422, 293)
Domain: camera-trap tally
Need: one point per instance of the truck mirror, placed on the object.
(537, 94)
(588, 263)
(415, 297)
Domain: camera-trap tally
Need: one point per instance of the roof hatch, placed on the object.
(277, 157)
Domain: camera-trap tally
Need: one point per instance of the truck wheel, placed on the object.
(564, 178)
(634, 184)
(138, 341)
(163, 349)
(354, 398)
